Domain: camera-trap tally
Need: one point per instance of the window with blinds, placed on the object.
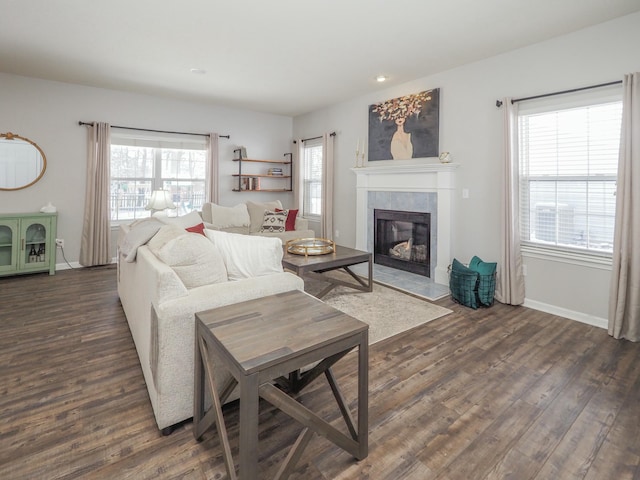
(141, 164)
(312, 179)
(568, 156)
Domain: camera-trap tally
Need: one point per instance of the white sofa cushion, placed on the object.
(192, 256)
(229, 217)
(247, 255)
(256, 213)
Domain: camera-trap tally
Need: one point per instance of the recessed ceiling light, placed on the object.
(198, 71)
(381, 78)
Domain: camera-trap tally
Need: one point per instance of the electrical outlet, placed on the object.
(60, 242)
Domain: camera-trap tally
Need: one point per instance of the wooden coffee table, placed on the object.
(272, 338)
(313, 266)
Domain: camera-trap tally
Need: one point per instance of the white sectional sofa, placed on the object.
(162, 283)
(249, 218)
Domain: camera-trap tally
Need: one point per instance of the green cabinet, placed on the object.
(28, 243)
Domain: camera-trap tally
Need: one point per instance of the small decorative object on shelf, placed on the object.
(310, 246)
(33, 255)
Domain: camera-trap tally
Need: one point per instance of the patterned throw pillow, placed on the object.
(274, 222)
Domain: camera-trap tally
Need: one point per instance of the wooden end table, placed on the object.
(313, 266)
(272, 338)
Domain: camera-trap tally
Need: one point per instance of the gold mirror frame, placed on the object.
(12, 136)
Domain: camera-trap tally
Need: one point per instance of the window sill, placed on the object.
(571, 257)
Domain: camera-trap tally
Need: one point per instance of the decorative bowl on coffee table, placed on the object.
(310, 246)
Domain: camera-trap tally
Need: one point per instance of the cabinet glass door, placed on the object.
(8, 245)
(35, 244)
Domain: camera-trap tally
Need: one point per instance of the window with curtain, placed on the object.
(568, 158)
(141, 164)
(312, 179)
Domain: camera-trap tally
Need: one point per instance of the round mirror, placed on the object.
(22, 162)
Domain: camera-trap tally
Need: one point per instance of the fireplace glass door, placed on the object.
(402, 240)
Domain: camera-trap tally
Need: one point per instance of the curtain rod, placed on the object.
(333, 134)
(155, 131)
(499, 102)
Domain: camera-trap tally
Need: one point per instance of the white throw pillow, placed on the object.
(256, 213)
(247, 256)
(139, 234)
(185, 221)
(193, 257)
(164, 235)
(227, 217)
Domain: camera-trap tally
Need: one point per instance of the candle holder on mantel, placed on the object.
(359, 154)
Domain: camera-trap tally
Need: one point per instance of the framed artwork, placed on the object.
(405, 127)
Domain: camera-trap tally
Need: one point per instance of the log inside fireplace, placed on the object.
(402, 240)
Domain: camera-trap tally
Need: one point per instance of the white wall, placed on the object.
(471, 129)
(48, 113)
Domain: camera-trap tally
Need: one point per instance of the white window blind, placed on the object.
(312, 179)
(143, 163)
(568, 155)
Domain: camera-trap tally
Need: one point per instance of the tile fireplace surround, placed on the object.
(427, 187)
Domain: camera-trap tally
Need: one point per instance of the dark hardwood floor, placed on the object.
(498, 393)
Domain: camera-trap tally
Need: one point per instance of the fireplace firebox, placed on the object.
(402, 240)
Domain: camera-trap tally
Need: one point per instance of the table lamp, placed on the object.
(160, 200)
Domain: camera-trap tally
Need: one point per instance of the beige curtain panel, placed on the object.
(510, 278)
(624, 293)
(326, 227)
(95, 246)
(212, 188)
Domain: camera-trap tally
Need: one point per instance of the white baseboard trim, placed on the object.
(64, 266)
(570, 314)
(72, 265)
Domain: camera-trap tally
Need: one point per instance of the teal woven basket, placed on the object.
(472, 289)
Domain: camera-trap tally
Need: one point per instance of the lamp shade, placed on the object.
(160, 200)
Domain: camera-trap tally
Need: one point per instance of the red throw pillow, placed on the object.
(196, 229)
(290, 224)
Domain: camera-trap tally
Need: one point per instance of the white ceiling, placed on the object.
(280, 56)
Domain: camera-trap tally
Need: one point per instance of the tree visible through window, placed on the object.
(568, 166)
(140, 165)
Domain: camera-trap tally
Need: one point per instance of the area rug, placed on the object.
(388, 312)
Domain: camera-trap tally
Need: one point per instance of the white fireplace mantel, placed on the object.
(426, 177)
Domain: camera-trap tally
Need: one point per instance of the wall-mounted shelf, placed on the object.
(249, 180)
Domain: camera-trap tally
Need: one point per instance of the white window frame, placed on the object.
(538, 249)
(311, 202)
(159, 179)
